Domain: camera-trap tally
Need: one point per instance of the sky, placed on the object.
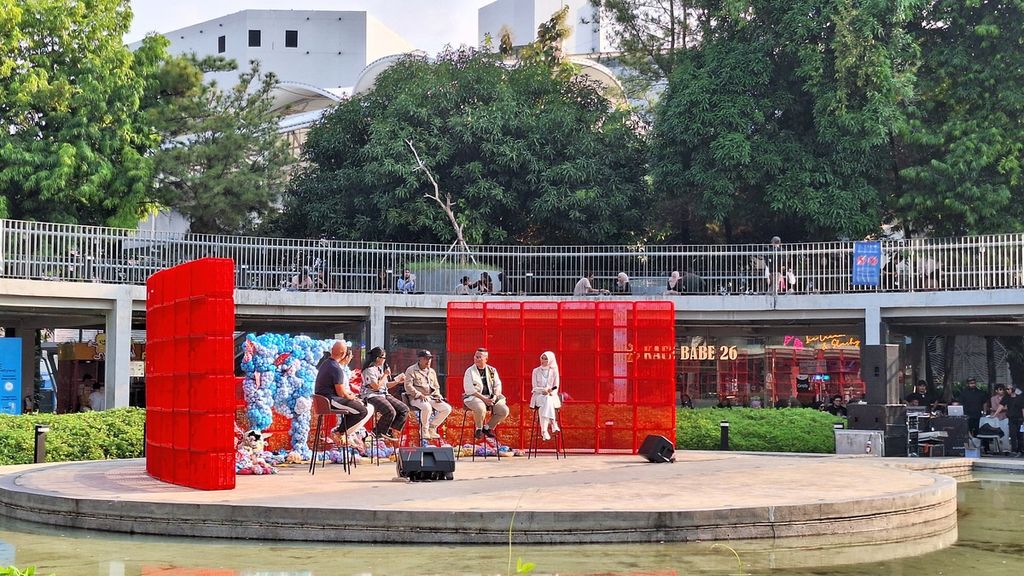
(427, 24)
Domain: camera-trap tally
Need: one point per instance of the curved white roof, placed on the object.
(298, 97)
(368, 77)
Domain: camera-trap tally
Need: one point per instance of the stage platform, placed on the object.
(581, 499)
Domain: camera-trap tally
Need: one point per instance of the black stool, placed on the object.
(322, 407)
(462, 434)
(531, 451)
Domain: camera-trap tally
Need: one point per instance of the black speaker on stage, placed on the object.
(875, 416)
(427, 463)
(657, 449)
(955, 428)
(880, 370)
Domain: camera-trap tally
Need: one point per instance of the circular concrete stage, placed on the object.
(582, 499)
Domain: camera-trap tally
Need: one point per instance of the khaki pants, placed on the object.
(499, 411)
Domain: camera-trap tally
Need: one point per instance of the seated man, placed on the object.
(332, 381)
(584, 286)
(482, 393)
(424, 393)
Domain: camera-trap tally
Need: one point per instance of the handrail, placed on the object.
(68, 252)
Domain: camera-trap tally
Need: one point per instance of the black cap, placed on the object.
(424, 354)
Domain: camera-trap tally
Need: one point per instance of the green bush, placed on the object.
(757, 430)
(116, 433)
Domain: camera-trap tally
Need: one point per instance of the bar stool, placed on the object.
(531, 451)
(320, 408)
(462, 435)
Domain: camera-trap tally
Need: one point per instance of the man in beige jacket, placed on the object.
(482, 393)
(424, 393)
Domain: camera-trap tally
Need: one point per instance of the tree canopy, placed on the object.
(222, 162)
(526, 155)
(74, 141)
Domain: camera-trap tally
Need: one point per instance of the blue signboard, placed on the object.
(867, 263)
(10, 375)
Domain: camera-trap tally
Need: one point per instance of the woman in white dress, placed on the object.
(546, 395)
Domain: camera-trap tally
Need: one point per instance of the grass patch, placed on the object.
(757, 429)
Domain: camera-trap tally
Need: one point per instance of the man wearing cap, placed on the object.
(424, 394)
(482, 393)
(973, 399)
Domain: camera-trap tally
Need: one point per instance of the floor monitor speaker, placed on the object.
(427, 463)
(657, 449)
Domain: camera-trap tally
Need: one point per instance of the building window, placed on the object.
(254, 38)
(291, 38)
(221, 44)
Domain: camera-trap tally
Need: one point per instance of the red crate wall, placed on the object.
(190, 383)
(616, 362)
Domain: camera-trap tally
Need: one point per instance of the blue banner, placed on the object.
(10, 375)
(867, 263)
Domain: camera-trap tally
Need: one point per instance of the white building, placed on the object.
(522, 17)
(315, 47)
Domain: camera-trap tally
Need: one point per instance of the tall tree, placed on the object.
(781, 119)
(526, 156)
(962, 158)
(222, 163)
(73, 145)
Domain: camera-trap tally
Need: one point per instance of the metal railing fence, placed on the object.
(73, 253)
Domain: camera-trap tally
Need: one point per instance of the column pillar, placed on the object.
(875, 331)
(118, 351)
(377, 321)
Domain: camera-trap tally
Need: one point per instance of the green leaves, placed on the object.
(74, 146)
(526, 154)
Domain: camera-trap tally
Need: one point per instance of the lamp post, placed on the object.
(40, 455)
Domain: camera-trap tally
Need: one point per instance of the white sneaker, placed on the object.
(545, 435)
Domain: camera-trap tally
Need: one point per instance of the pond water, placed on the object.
(989, 542)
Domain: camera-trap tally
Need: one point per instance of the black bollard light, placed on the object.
(838, 426)
(724, 426)
(41, 430)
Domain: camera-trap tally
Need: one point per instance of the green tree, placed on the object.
(782, 119)
(961, 161)
(73, 145)
(525, 155)
(222, 162)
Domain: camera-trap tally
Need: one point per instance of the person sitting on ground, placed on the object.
(836, 406)
(376, 379)
(584, 286)
(332, 381)
(98, 397)
(674, 286)
(407, 283)
(482, 393)
(545, 398)
(622, 284)
(462, 288)
(424, 393)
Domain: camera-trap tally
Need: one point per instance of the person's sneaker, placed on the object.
(479, 434)
(489, 433)
(545, 436)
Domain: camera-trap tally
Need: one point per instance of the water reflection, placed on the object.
(991, 530)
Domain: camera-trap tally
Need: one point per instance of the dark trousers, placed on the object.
(1015, 435)
(972, 423)
(347, 421)
(393, 413)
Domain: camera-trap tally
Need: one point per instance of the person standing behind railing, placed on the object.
(773, 266)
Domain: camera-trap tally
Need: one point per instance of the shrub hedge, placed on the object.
(757, 429)
(116, 433)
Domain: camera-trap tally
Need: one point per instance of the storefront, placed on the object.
(804, 369)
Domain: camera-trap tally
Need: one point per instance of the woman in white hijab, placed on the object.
(546, 397)
(674, 285)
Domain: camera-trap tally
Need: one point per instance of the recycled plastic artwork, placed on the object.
(280, 371)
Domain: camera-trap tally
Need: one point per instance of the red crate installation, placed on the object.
(190, 384)
(616, 360)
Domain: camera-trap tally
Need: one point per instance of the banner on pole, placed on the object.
(10, 375)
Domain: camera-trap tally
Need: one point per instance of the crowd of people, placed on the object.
(417, 389)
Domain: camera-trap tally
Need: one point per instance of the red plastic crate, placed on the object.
(211, 355)
(180, 429)
(212, 316)
(212, 470)
(179, 391)
(212, 393)
(213, 277)
(158, 426)
(211, 432)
